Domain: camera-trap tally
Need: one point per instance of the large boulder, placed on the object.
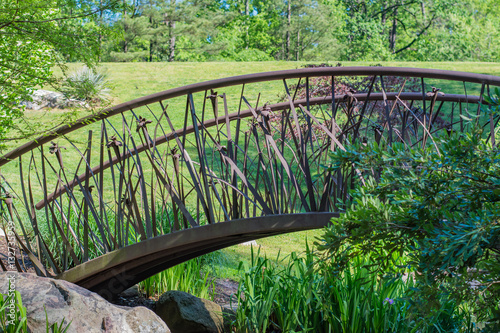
(51, 99)
(185, 313)
(45, 98)
(87, 311)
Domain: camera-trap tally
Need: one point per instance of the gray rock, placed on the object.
(44, 98)
(185, 313)
(50, 99)
(131, 292)
(87, 311)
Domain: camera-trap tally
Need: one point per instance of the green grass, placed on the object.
(226, 265)
(134, 80)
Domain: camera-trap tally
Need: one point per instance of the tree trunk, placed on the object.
(422, 4)
(100, 35)
(298, 45)
(384, 14)
(125, 44)
(247, 13)
(289, 14)
(392, 35)
(172, 42)
(171, 33)
(151, 43)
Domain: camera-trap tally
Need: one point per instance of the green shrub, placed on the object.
(87, 85)
(252, 55)
(440, 206)
(129, 56)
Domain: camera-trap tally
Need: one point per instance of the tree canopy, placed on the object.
(37, 35)
(199, 30)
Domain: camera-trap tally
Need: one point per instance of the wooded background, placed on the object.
(252, 30)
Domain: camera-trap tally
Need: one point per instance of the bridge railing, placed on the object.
(219, 151)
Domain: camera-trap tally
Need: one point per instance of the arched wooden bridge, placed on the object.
(118, 196)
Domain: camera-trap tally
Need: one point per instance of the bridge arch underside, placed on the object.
(104, 192)
(116, 271)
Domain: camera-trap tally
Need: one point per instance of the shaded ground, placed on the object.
(23, 260)
(224, 295)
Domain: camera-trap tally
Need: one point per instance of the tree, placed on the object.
(171, 17)
(313, 29)
(199, 30)
(200, 22)
(438, 207)
(385, 29)
(35, 36)
(467, 32)
(300, 30)
(168, 30)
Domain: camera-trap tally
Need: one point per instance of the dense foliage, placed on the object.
(440, 206)
(242, 30)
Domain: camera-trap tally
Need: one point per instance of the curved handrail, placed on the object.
(251, 78)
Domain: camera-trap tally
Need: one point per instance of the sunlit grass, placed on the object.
(272, 247)
(134, 80)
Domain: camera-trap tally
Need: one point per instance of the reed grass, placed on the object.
(188, 277)
(18, 323)
(307, 295)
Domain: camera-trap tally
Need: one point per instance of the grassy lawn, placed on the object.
(134, 80)
(141, 79)
(225, 262)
